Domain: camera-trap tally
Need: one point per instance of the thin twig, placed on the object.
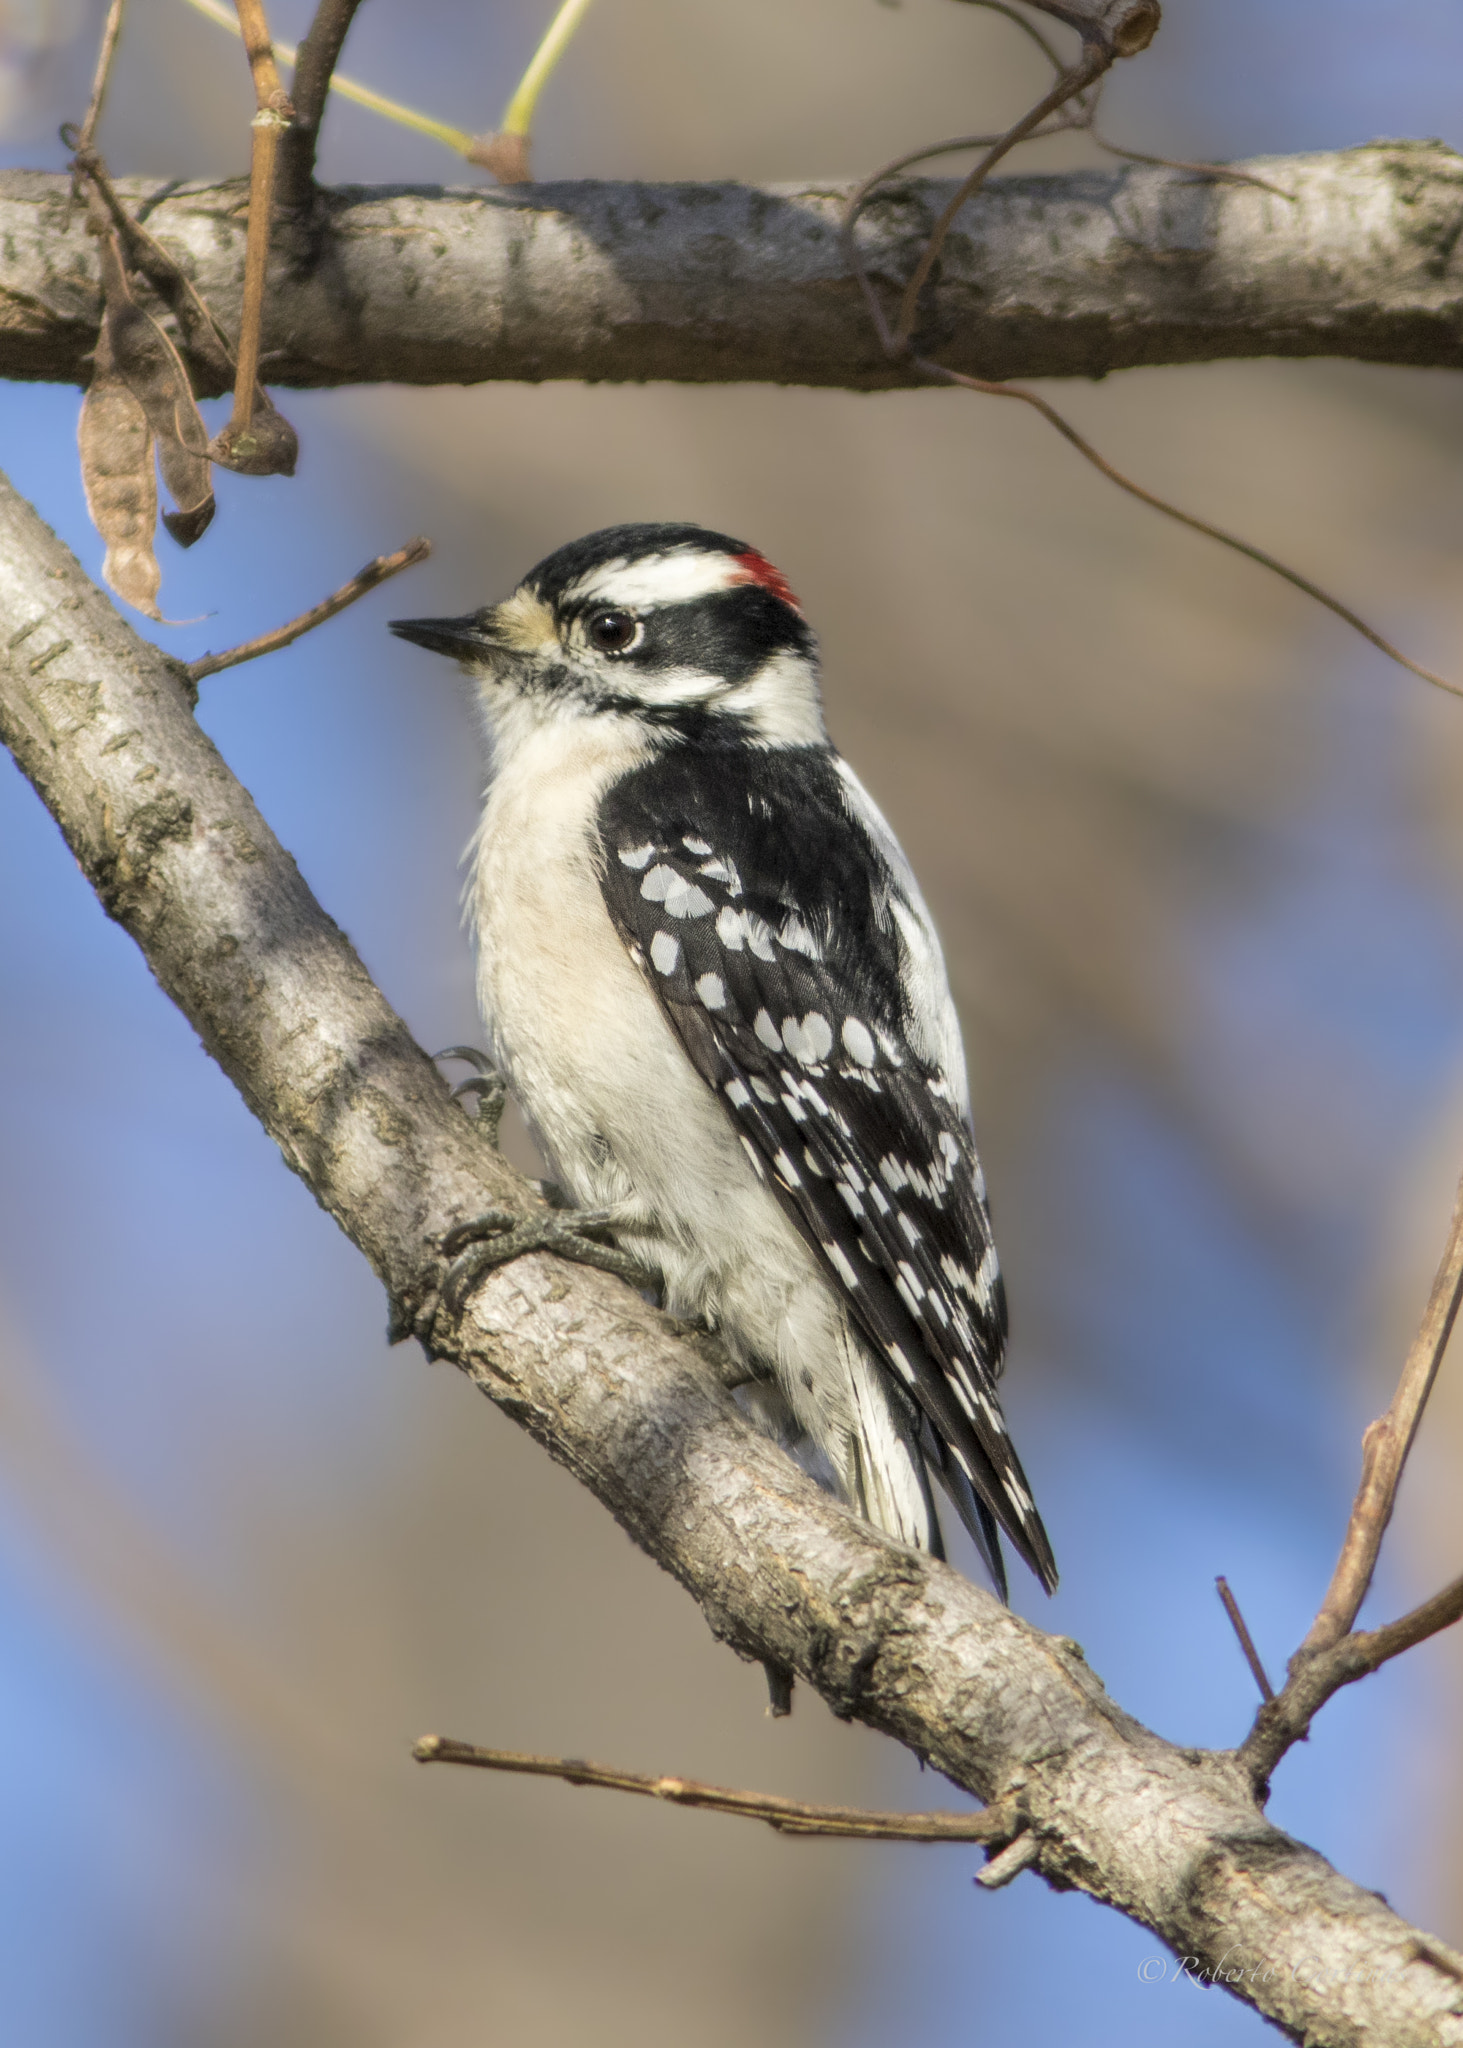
(1246, 1640)
(1386, 1444)
(508, 152)
(1229, 540)
(789, 1816)
(1221, 173)
(456, 139)
(274, 114)
(1315, 1675)
(202, 336)
(111, 30)
(79, 141)
(1089, 67)
(315, 63)
(895, 340)
(1375, 1647)
(377, 571)
(1122, 28)
(259, 49)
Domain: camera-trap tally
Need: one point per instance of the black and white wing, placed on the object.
(772, 913)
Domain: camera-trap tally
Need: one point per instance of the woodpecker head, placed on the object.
(681, 629)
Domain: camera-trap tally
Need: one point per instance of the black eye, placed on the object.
(612, 632)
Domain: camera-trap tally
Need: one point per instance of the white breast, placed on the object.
(621, 1115)
(626, 1122)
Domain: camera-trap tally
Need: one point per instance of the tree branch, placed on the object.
(315, 62)
(789, 1816)
(1040, 277)
(178, 854)
(1317, 1674)
(377, 571)
(1385, 1447)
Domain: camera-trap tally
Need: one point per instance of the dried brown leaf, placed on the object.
(153, 370)
(121, 483)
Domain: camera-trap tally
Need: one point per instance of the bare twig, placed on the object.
(508, 153)
(1316, 1674)
(1089, 66)
(377, 571)
(1226, 174)
(202, 336)
(111, 30)
(269, 93)
(1007, 1864)
(265, 130)
(456, 139)
(1377, 1646)
(315, 64)
(79, 141)
(1229, 540)
(1386, 1444)
(788, 1816)
(1098, 52)
(1246, 1640)
(1120, 28)
(1332, 1655)
(258, 450)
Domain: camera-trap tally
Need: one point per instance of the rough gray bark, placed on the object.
(101, 723)
(1042, 276)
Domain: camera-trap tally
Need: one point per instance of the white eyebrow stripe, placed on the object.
(675, 577)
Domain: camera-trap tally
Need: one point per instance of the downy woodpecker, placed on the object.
(712, 986)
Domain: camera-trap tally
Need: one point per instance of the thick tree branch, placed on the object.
(178, 854)
(1040, 277)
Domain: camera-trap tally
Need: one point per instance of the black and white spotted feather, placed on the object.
(775, 934)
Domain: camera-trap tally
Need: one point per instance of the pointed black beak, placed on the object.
(469, 638)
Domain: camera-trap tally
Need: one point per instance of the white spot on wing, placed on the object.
(635, 856)
(798, 939)
(737, 1095)
(694, 845)
(858, 1042)
(767, 1031)
(839, 1260)
(680, 897)
(712, 991)
(809, 1041)
(911, 1280)
(665, 952)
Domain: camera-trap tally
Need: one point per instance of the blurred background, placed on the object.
(1196, 855)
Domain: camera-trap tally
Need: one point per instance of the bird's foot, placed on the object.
(485, 1084)
(497, 1236)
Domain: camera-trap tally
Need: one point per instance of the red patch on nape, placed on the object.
(755, 568)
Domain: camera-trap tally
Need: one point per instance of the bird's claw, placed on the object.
(497, 1236)
(487, 1084)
